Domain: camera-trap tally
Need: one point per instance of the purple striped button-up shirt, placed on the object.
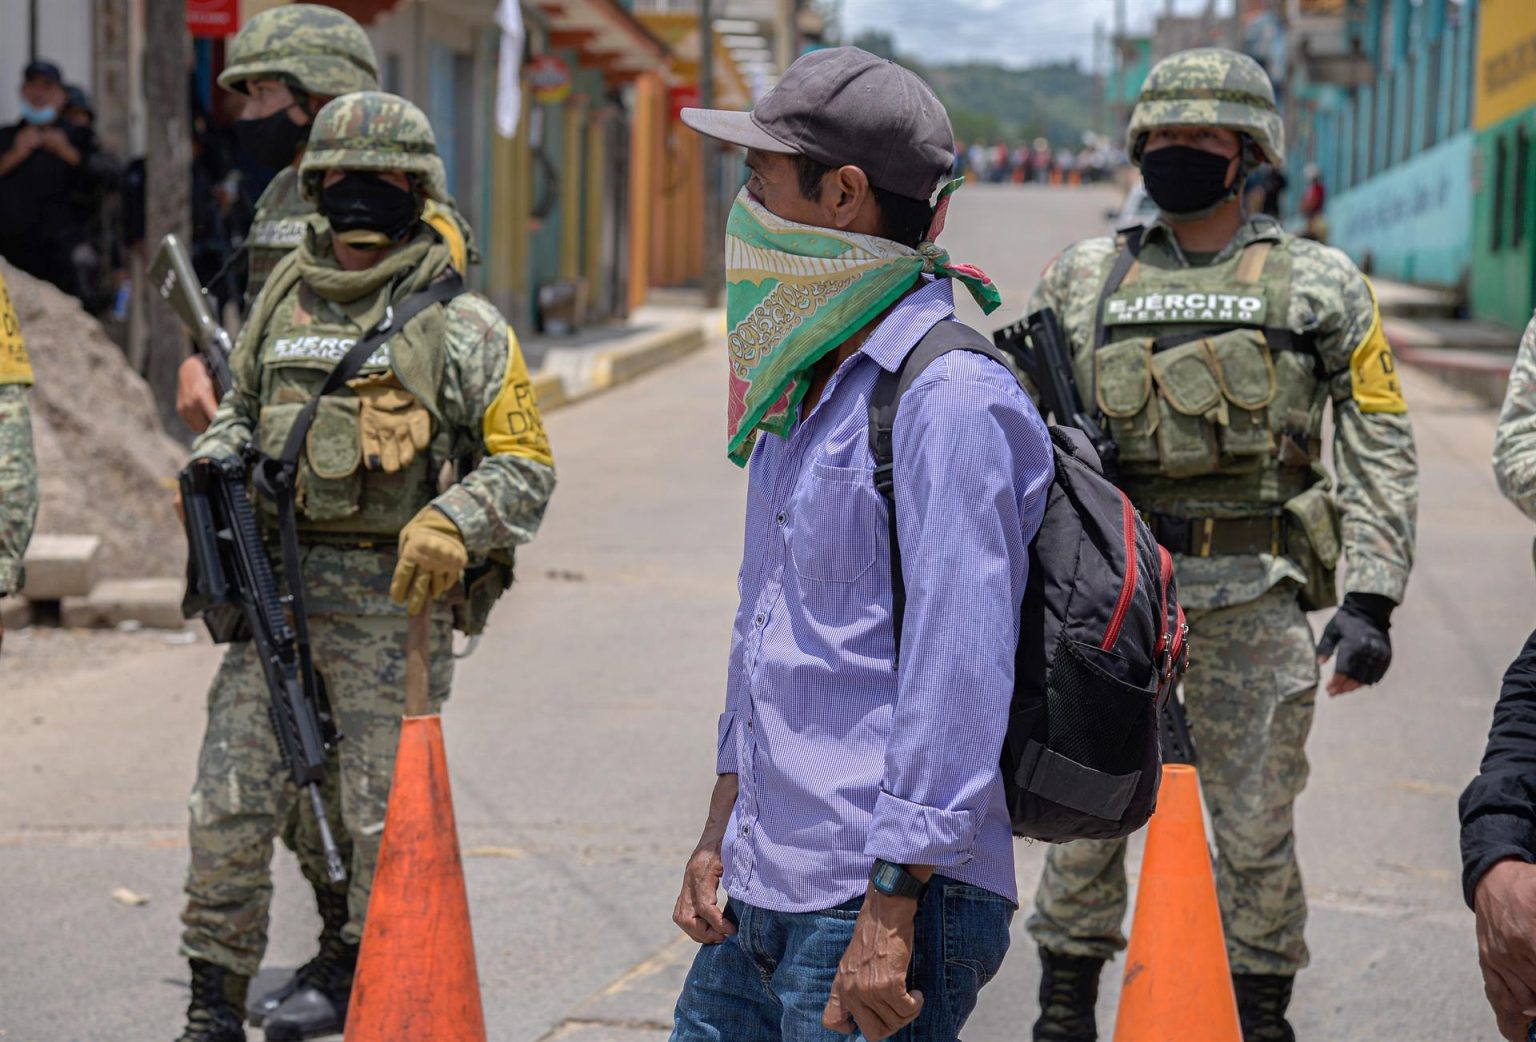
(840, 758)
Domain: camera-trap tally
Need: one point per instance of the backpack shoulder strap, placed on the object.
(884, 400)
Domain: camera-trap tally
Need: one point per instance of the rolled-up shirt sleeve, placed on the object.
(973, 465)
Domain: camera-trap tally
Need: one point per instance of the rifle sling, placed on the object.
(277, 479)
(1126, 260)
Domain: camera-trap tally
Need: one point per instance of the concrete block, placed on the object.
(61, 566)
(153, 603)
(15, 613)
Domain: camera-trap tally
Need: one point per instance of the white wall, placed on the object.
(63, 37)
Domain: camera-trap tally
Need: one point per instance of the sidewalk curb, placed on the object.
(618, 366)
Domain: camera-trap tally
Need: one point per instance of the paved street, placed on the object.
(581, 737)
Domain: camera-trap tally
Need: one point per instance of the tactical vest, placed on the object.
(1210, 397)
(340, 497)
(1216, 406)
(282, 215)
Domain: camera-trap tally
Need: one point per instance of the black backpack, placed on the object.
(1101, 634)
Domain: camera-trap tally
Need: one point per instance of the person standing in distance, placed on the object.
(1211, 341)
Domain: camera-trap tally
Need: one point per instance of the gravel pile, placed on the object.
(106, 465)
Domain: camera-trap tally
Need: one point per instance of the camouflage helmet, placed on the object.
(318, 49)
(371, 130)
(1209, 87)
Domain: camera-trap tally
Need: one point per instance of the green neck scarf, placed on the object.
(411, 267)
(795, 292)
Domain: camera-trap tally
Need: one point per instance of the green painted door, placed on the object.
(1504, 222)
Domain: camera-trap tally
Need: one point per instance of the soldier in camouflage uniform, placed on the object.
(1514, 446)
(375, 531)
(288, 62)
(18, 462)
(1210, 342)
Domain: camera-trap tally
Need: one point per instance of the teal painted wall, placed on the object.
(1414, 221)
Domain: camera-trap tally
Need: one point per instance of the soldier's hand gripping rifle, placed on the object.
(173, 277)
(1041, 349)
(234, 586)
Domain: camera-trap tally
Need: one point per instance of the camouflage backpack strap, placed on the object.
(1130, 248)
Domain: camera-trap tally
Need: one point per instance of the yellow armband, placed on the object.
(513, 426)
(1373, 371)
(15, 366)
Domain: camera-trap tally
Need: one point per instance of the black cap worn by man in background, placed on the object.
(42, 70)
(843, 106)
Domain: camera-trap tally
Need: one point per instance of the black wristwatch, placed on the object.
(896, 881)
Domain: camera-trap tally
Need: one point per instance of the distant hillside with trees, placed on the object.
(993, 102)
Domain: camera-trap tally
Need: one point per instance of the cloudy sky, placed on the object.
(1013, 32)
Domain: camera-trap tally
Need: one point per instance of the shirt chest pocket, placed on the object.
(835, 524)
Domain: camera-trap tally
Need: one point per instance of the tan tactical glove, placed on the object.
(432, 560)
(393, 426)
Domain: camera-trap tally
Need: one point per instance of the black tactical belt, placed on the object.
(1219, 536)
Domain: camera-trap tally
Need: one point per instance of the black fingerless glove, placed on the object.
(1359, 631)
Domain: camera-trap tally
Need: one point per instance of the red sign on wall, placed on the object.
(213, 17)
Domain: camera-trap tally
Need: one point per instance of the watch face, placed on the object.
(885, 877)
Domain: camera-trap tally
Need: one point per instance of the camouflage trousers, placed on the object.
(243, 796)
(1250, 693)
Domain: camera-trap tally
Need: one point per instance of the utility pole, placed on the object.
(32, 30)
(111, 88)
(168, 177)
(714, 240)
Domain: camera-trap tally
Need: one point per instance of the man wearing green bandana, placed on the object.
(858, 822)
(380, 530)
(1212, 342)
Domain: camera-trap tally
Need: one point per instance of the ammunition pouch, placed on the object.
(1316, 540)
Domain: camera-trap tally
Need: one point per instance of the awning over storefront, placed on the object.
(606, 36)
(680, 32)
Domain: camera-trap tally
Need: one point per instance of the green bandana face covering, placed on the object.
(795, 292)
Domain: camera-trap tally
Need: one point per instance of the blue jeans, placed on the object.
(769, 982)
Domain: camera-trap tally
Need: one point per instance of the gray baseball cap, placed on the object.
(844, 106)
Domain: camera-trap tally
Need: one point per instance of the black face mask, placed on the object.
(1185, 181)
(273, 140)
(365, 203)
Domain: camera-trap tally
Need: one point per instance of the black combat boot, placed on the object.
(1262, 999)
(1069, 989)
(333, 917)
(318, 1006)
(217, 1011)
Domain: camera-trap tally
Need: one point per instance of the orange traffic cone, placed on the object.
(1178, 987)
(416, 976)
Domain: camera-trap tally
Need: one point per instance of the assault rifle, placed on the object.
(1040, 347)
(173, 277)
(233, 581)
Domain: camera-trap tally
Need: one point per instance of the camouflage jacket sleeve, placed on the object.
(488, 395)
(1373, 451)
(1514, 446)
(234, 423)
(18, 483)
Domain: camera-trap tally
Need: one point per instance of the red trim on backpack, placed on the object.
(1128, 590)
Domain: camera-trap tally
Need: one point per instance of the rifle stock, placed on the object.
(231, 573)
(173, 277)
